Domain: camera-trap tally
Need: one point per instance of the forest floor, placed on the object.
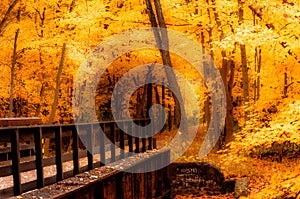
(266, 152)
(267, 176)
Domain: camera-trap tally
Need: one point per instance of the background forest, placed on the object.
(254, 43)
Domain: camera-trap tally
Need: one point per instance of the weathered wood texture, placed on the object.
(109, 182)
(12, 139)
(20, 121)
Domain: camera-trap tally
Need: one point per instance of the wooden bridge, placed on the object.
(17, 138)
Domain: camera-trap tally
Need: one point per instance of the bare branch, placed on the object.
(6, 15)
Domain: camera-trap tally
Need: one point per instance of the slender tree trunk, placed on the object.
(229, 124)
(286, 85)
(163, 42)
(257, 63)
(226, 70)
(141, 107)
(157, 99)
(12, 73)
(244, 61)
(258, 72)
(207, 112)
(58, 81)
(40, 33)
(149, 90)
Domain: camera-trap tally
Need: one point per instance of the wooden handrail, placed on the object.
(36, 133)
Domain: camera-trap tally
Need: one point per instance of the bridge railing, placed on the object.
(100, 154)
(137, 176)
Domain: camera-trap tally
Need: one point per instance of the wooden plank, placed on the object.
(87, 192)
(139, 185)
(167, 183)
(153, 179)
(159, 178)
(99, 190)
(58, 153)
(20, 121)
(148, 180)
(119, 187)
(16, 161)
(109, 188)
(127, 188)
(39, 157)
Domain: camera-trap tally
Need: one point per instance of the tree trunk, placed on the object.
(157, 99)
(149, 91)
(58, 81)
(12, 74)
(286, 85)
(258, 72)
(226, 70)
(244, 61)
(41, 35)
(207, 112)
(163, 43)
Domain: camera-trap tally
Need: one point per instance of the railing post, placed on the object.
(150, 142)
(58, 153)
(137, 139)
(39, 157)
(90, 147)
(130, 137)
(75, 146)
(122, 145)
(113, 140)
(15, 152)
(143, 123)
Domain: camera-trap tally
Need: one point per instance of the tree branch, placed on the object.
(6, 15)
